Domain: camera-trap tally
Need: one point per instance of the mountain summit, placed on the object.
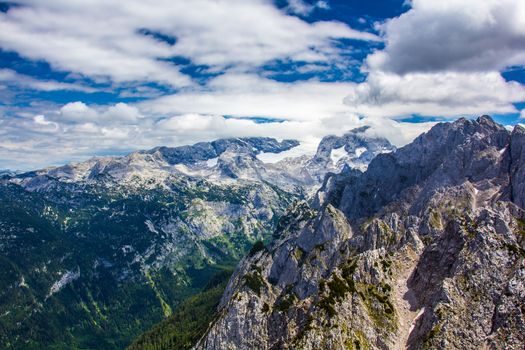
(425, 249)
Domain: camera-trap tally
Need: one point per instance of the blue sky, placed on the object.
(81, 79)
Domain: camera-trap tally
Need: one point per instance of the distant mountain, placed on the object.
(353, 150)
(94, 253)
(7, 172)
(425, 249)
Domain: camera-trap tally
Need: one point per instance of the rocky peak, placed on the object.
(353, 150)
(356, 144)
(449, 154)
(425, 249)
(203, 151)
(516, 153)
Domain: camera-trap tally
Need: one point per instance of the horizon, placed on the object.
(70, 90)
(302, 149)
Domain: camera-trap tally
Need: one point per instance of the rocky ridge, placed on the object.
(425, 249)
(223, 162)
(116, 243)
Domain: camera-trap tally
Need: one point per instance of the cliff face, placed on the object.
(424, 249)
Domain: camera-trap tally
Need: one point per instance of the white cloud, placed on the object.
(11, 77)
(122, 112)
(77, 111)
(86, 128)
(443, 58)
(435, 94)
(302, 8)
(454, 35)
(103, 40)
(44, 124)
(249, 95)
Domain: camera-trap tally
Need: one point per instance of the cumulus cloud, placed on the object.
(122, 112)
(78, 111)
(250, 95)
(454, 35)
(434, 94)
(44, 124)
(443, 58)
(106, 40)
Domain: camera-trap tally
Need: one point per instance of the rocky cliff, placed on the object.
(425, 249)
(94, 253)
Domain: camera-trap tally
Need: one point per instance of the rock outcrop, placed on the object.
(116, 243)
(425, 249)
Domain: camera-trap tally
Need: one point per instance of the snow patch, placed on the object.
(151, 227)
(212, 162)
(359, 151)
(336, 154)
(304, 148)
(66, 278)
(23, 283)
(126, 249)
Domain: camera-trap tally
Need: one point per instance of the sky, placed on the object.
(106, 77)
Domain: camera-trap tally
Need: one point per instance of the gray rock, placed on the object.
(425, 249)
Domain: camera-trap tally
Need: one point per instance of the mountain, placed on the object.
(425, 249)
(335, 154)
(7, 173)
(94, 253)
(353, 150)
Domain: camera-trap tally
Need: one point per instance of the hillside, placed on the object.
(425, 249)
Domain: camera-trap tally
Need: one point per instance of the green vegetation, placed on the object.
(254, 281)
(133, 273)
(298, 253)
(427, 340)
(378, 304)
(298, 212)
(435, 220)
(336, 289)
(515, 249)
(257, 247)
(357, 341)
(385, 265)
(266, 308)
(189, 321)
(286, 302)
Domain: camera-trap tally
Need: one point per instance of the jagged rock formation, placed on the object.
(203, 151)
(96, 252)
(353, 150)
(423, 250)
(225, 161)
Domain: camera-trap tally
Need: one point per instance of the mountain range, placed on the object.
(94, 253)
(359, 246)
(425, 249)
